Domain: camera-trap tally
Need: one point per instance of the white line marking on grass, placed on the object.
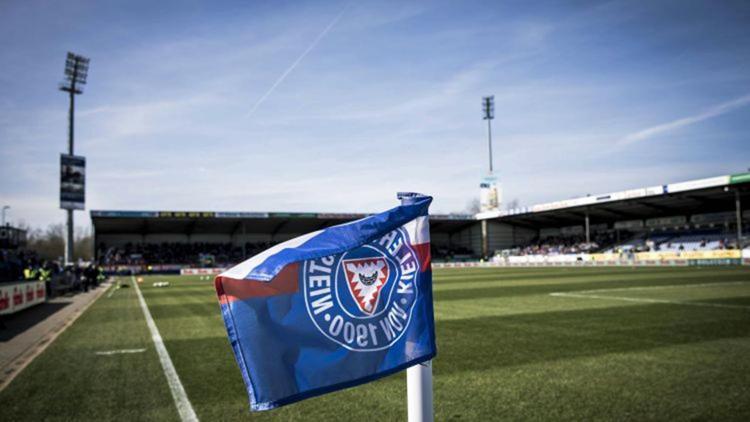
(184, 408)
(112, 290)
(668, 286)
(119, 352)
(586, 294)
(647, 300)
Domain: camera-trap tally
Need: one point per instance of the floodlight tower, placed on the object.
(76, 71)
(488, 108)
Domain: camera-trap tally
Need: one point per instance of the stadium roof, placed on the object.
(194, 222)
(702, 196)
(715, 194)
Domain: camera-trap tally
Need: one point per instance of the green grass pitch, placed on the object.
(618, 343)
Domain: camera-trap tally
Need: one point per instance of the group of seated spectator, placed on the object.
(562, 244)
(204, 254)
(200, 254)
(677, 241)
(450, 253)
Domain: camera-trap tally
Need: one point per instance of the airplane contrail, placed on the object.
(712, 112)
(296, 62)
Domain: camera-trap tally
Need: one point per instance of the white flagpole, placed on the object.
(418, 377)
(419, 392)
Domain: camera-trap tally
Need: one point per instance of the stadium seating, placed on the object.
(559, 245)
(675, 241)
(202, 254)
(221, 254)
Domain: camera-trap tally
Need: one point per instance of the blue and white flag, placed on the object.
(333, 309)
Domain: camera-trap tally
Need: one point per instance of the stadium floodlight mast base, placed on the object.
(76, 71)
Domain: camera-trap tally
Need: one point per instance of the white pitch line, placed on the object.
(184, 408)
(647, 300)
(119, 352)
(112, 291)
(668, 286)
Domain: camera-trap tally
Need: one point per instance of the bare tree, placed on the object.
(512, 204)
(50, 243)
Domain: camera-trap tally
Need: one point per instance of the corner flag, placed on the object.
(334, 308)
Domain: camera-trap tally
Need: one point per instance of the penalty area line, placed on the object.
(181, 401)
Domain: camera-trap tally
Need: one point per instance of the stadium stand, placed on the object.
(167, 241)
(698, 215)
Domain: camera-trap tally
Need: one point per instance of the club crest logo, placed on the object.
(363, 298)
(366, 278)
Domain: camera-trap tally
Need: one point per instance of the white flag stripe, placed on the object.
(418, 230)
(241, 270)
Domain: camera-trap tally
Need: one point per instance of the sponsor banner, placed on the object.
(202, 271)
(677, 220)
(514, 211)
(468, 264)
(567, 203)
(630, 224)
(739, 178)
(124, 269)
(713, 262)
(607, 197)
(490, 214)
(589, 263)
(72, 182)
(606, 257)
(452, 217)
(186, 214)
(17, 296)
(490, 193)
(698, 184)
(684, 255)
(125, 214)
(292, 215)
(138, 269)
(339, 216)
(164, 267)
(241, 215)
(631, 194)
(716, 217)
(541, 259)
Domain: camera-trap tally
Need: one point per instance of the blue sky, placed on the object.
(335, 106)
